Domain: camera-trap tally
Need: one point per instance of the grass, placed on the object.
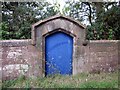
(83, 80)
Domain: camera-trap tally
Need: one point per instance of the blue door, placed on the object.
(58, 54)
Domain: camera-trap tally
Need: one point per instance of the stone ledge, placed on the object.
(104, 41)
(12, 43)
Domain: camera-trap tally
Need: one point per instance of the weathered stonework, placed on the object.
(62, 24)
(19, 57)
(103, 55)
(96, 57)
(27, 57)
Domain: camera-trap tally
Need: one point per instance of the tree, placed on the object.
(107, 23)
(103, 18)
(73, 9)
(18, 17)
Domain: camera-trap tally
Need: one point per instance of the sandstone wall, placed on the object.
(102, 55)
(20, 57)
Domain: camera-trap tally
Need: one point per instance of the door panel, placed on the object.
(58, 54)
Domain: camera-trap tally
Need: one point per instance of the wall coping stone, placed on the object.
(25, 42)
(14, 43)
(104, 41)
(58, 16)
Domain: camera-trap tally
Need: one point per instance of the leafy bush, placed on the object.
(107, 27)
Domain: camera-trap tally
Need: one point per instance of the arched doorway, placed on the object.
(58, 53)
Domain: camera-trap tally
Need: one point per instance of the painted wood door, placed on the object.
(58, 54)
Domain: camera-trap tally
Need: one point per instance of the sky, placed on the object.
(61, 2)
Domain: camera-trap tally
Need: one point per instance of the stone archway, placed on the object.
(54, 24)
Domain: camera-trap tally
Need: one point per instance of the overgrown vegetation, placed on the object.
(17, 18)
(83, 80)
(107, 26)
(103, 17)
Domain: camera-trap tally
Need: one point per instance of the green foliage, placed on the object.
(83, 80)
(19, 16)
(103, 17)
(95, 84)
(4, 31)
(73, 9)
(11, 83)
(107, 26)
